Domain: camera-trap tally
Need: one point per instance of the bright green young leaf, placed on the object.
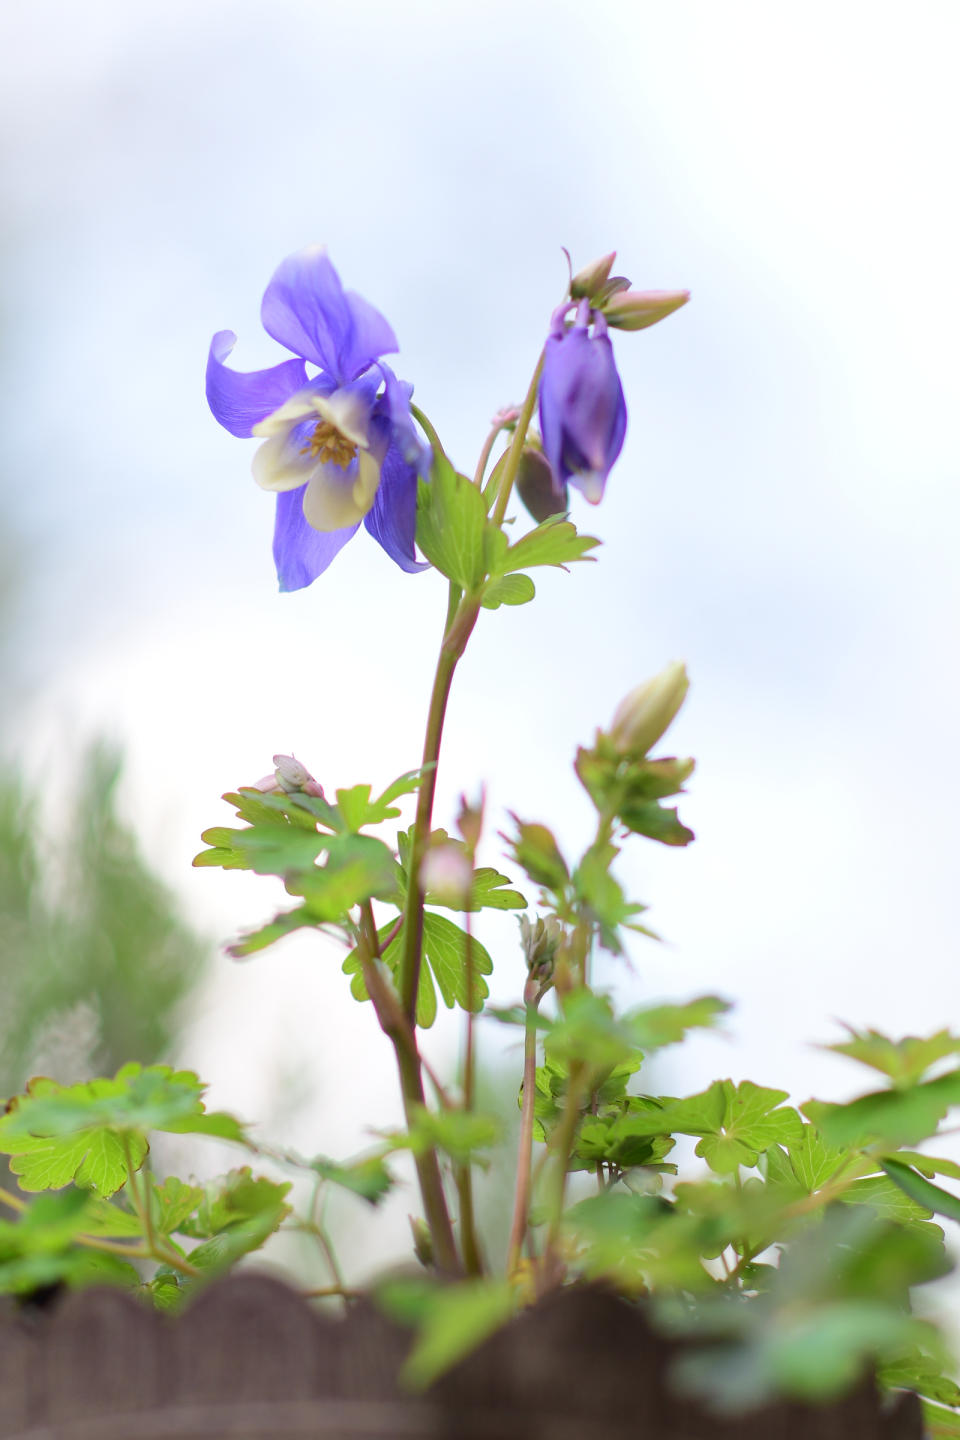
(537, 852)
(234, 1199)
(137, 1098)
(890, 1201)
(358, 868)
(444, 967)
(906, 1060)
(891, 1117)
(369, 1177)
(93, 1159)
(940, 1423)
(927, 1164)
(813, 1161)
(554, 542)
(508, 590)
(451, 518)
(458, 1133)
(649, 818)
(456, 1320)
(660, 1025)
(282, 924)
(923, 1192)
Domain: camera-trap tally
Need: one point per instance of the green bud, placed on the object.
(422, 1241)
(540, 943)
(592, 277)
(646, 714)
(636, 309)
(537, 488)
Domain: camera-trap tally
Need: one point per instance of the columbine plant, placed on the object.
(796, 1246)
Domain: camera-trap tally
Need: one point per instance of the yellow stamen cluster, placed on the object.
(328, 445)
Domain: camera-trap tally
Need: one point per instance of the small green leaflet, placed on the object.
(508, 590)
(234, 1199)
(554, 542)
(451, 1321)
(451, 519)
(94, 1159)
(58, 1133)
(920, 1190)
(735, 1123)
(369, 1177)
(892, 1117)
(282, 924)
(654, 1027)
(939, 1422)
(535, 849)
(445, 967)
(904, 1061)
(458, 1133)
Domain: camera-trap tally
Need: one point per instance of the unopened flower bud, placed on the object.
(540, 943)
(447, 876)
(540, 492)
(422, 1241)
(291, 775)
(648, 711)
(592, 277)
(636, 309)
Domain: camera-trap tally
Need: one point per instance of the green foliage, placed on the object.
(451, 1320)
(487, 889)
(889, 1117)
(905, 1061)
(369, 1177)
(554, 542)
(451, 520)
(95, 958)
(88, 1132)
(536, 851)
(632, 789)
(508, 590)
(444, 968)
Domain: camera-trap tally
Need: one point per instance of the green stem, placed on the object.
(521, 1202)
(472, 1257)
(428, 430)
(563, 1139)
(512, 465)
(155, 1248)
(400, 1029)
(488, 445)
(13, 1201)
(454, 643)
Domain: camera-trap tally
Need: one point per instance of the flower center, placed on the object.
(328, 445)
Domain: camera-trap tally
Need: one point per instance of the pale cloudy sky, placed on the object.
(784, 515)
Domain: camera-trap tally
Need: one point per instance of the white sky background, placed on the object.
(784, 514)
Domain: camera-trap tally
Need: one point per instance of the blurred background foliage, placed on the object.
(95, 957)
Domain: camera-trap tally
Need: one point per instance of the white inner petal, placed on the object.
(591, 485)
(292, 410)
(349, 412)
(278, 465)
(335, 498)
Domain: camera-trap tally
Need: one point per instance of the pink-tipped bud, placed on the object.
(586, 282)
(646, 714)
(636, 309)
(447, 876)
(292, 775)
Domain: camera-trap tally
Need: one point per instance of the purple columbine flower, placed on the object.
(338, 447)
(583, 415)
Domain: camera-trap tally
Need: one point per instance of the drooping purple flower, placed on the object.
(583, 415)
(338, 447)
